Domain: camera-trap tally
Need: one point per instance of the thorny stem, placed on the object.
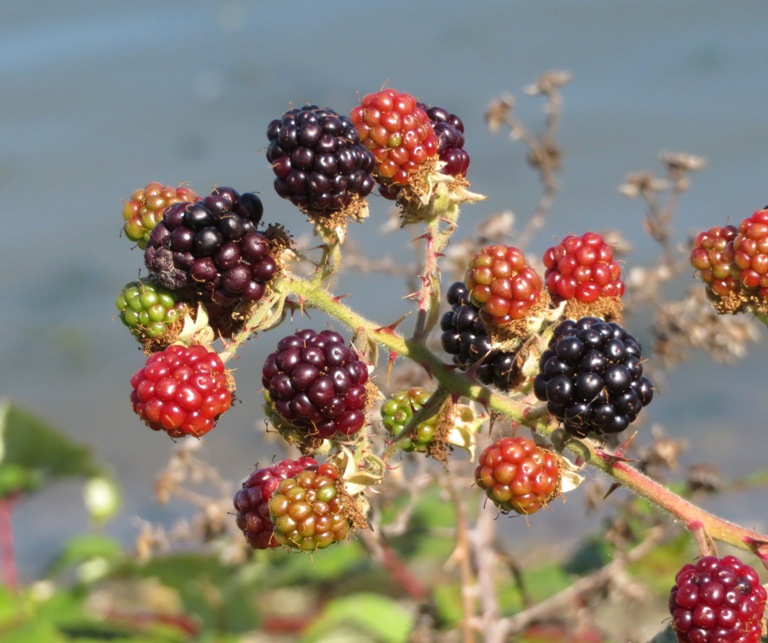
(7, 556)
(527, 411)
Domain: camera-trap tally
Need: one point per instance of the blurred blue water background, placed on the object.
(97, 99)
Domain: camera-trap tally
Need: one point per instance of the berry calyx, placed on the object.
(449, 130)
(518, 475)
(318, 160)
(149, 310)
(717, 599)
(398, 132)
(145, 208)
(251, 501)
(712, 256)
(582, 271)
(465, 338)
(317, 384)
(182, 390)
(308, 510)
(502, 284)
(591, 376)
(213, 249)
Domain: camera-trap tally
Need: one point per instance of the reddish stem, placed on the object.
(7, 554)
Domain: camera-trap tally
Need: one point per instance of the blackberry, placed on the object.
(518, 475)
(317, 384)
(465, 338)
(252, 500)
(308, 510)
(591, 376)
(398, 132)
(213, 248)
(502, 284)
(717, 599)
(148, 309)
(145, 208)
(397, 411)
(318, 160)
(449, 130)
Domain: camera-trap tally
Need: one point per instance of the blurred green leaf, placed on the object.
(665, 636)
(591, 554)
(84, 548)
(372, 617)
(32, 452)
(34, 630)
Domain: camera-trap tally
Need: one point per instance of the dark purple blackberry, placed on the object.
(212, 248)
(591, 377)
(465, 338)
(450, 131)
(317, 383)
(318, 160)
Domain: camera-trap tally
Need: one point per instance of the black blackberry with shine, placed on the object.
(213, 249)
(318, 160)
(465, 338)
(591, 377)
(317, 384)
(449, 129)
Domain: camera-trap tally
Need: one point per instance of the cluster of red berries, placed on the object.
(733, 263)
(717, 599)
(502, 284)
(582, 268)
(518, 475)
(181, 390)
(398, 132)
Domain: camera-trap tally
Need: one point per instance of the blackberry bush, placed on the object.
(545, 359)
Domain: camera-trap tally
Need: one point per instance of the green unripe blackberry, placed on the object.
(148, 309)
(398, 410)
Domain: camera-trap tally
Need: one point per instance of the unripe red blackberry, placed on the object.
(213, 248)
(148, 309)
(318, 160)
(449, 130)
(502, 284)
(308, 510)
(717, 599)
(750, 256)
(464, 338)
(145, 208)
(252, 500)
(713, 258)
(518, 475)
(181, 390)
(591, 377)
(398, 132)
(317, 384)
(582, 268)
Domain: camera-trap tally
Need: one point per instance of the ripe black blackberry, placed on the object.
(450, 131)
(212, 248)
(465, 337)
(591, 377)
(317, 384)
(318, 160)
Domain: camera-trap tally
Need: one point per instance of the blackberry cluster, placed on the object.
(317, 384)
(591, 377)
(465, 338)
(318, 160)
(449, 129)
(212, 248)
(717, 599)
(252, 500)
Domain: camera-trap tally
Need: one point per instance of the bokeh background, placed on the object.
(97, 99)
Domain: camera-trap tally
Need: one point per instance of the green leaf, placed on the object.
(85, 548)
(32, 452)
(665, 636)
(366, 617)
